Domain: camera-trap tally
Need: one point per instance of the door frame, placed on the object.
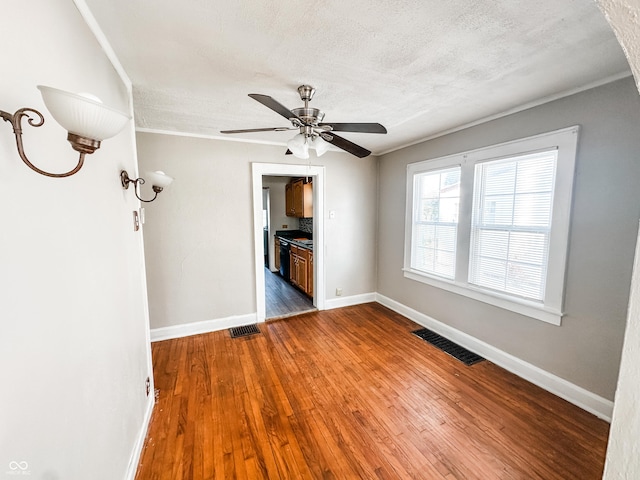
(289, 170)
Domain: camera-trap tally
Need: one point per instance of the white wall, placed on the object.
(623, 457)
(199, 234)
(73, 328)
(586, 349)
(623, 461)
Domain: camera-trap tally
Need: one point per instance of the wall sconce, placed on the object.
(159, 180)
(85, 118)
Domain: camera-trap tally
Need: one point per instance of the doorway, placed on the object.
(260, 170)
(282, 298)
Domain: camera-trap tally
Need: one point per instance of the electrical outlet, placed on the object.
(338, 292)
(148, 385)
(285, 226)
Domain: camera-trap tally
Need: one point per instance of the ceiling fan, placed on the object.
(313, 132)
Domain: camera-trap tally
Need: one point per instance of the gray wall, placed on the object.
(586, 349)
(199, 238)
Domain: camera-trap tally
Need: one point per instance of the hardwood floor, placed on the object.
(283, 299)
(351, 393)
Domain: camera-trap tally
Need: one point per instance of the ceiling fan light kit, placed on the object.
(320, 145)
(312, 132)
(298, 146)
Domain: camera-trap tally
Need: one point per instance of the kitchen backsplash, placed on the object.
(306, 225)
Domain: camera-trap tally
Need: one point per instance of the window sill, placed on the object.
(522, 307)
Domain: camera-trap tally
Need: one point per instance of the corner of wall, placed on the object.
(136, 453)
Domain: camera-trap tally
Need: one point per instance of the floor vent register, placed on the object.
(244, 331)
(456, 351)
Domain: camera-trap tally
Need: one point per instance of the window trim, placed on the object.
(565, 141)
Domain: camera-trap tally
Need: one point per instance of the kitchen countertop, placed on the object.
(296, 237)
(305, 243)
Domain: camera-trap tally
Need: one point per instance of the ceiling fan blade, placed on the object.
(345, 144)
(249, 130)
(355, 127)
(274, 105)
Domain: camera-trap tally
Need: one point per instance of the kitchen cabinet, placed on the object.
(302, 199)
(294, 262)
(310, 275)
(293, 272)
(299, 199)
(301, 269)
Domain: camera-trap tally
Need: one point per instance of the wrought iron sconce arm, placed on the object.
(35, 119)
(125, 180)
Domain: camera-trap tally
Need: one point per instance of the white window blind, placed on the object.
(435, 221)
(511, 224)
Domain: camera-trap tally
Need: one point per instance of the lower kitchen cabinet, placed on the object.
(310, 275)
(301, 269)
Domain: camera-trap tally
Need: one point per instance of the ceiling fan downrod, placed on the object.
(306, 94)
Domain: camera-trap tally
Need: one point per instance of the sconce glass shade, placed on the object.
(320, 145)
(158, 179)
(298, 146)
(84, 116)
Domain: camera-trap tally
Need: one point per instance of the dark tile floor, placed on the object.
(282, 299)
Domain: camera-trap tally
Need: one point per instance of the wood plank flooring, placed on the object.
(283, 299)
(351, 393)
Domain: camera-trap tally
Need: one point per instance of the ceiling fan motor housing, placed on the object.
(310, 116)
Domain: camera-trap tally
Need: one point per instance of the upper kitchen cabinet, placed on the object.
(299, 199)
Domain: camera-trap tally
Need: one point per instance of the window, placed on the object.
(436, 221)
(493, 223)
(511, 224)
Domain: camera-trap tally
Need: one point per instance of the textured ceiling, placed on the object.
(419, 67)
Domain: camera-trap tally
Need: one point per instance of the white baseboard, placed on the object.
(349, 301)
(206, 326)
(589, 401)
(136, 453)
